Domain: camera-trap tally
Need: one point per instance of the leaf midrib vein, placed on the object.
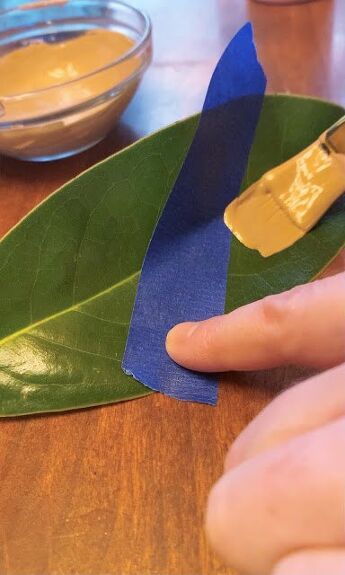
(73, 307)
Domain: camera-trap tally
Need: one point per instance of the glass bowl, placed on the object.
(69, 117)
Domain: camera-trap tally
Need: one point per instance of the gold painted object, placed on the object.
(290, 199)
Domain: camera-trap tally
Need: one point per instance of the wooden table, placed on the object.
(121, 489)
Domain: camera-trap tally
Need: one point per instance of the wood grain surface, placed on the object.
(121, 490)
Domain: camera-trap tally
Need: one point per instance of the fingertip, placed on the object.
(219, 522)
(215, 518)
(177, 338)
(200, 345)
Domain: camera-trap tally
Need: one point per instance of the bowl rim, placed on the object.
(133, 51)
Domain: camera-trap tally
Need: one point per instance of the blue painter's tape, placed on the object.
(184, 274)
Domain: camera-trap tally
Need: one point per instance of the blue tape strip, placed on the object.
(184, 274)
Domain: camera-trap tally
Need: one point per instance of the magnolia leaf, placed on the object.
(69, 270)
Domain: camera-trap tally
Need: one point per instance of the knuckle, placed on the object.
(280, 314)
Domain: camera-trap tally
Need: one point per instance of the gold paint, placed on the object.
(289, 200)
(42, 65)
(44, 79)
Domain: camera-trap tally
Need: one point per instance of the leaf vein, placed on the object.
(27, 329)
(72, 348)
(124, 324)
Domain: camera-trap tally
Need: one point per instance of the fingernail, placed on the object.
(177, 337)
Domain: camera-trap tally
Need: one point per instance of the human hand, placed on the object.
(305, 325)
(279, 507)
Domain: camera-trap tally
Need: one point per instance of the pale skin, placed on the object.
(279, 507)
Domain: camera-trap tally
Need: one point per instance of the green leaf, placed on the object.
(69, 270)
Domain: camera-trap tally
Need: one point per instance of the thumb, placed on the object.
(305, 325)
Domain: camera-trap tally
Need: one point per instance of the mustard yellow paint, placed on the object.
(44, 79)
(43, 65)
(288, 200)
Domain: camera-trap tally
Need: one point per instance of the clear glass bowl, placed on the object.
(63, 119)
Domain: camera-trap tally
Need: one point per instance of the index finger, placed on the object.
(305, 325)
